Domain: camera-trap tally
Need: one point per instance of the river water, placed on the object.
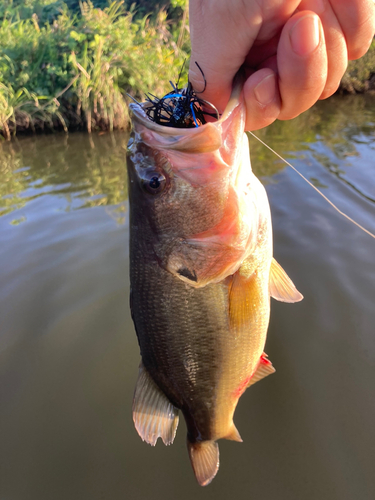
(69, 354)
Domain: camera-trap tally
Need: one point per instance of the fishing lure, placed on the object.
(180, 108)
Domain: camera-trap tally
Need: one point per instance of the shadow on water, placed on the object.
(69, 355)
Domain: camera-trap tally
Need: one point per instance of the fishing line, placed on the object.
(314, 187)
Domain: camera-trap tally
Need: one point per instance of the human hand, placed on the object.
(294, 51)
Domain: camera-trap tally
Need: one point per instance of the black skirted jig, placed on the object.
(180, 108)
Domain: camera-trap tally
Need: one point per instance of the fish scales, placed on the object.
(185, 371)
(201, 273)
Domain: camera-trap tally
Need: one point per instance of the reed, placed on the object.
(66, 69)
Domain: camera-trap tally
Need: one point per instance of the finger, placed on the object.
(222, 33)
(335, 42)
(262, 99)
(220, 41)
(302, 64)
(357, 21)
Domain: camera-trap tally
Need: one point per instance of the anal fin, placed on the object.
(234, 435)
(281, 286)
(204, 457)
(264, 369)
(154, 415)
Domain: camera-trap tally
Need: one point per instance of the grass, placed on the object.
(69, 69)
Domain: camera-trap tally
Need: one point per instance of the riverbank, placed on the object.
(68, 68)
(360, 75)
(68, 65)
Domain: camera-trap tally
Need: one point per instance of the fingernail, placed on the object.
(305, 35)
(319, 6)
(265, 90)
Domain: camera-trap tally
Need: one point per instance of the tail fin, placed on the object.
(204, 458)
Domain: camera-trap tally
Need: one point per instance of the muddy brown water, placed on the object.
(69, 354)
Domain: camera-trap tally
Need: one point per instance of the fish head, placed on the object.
(186, 210)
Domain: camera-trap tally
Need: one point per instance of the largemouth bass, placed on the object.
(201, 273)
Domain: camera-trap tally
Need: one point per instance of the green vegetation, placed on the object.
(68, 64)
(360, 75)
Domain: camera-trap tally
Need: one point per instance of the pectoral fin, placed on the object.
(154, 415)
(281, 286)
(244, 301)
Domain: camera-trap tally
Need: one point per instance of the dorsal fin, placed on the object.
(204, 457)
(264, 369)
(154, 415)
(281, 286)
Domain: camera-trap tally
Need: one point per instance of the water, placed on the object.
(69, 355)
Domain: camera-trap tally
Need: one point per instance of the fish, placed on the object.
(201, 275)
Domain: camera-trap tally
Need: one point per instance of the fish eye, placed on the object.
(154, 182)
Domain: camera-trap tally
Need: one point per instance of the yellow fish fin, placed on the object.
(244, 296)
(204, 458)
(264, 369)
(281, 286)
(154, 415)
(233, 434)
